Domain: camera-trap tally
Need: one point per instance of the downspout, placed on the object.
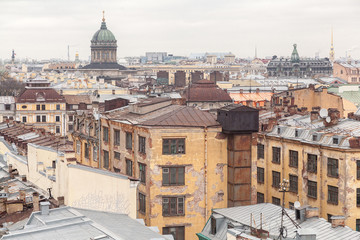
(99, 146)
(321, 178)
(205, 172)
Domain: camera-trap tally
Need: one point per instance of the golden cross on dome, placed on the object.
(103, 16)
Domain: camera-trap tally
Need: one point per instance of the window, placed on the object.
(260, 150)
(314, 137)
(95, 155)
(106, 134)
(173, 176)
(333, 167)
(312, 189)
(86, 148)
(43, 118)
(276, 155)
(57, 118)
(43, 107)
(106, 159)
(57, 106)
(174, 146)
(71, 118)
(7, 107)
(213, 226)
(260, 197)
(142, 172)
(333, 194)
(312, 163)
(38, 118)
(276, 201)
(358, 197)
(117, 155)
(128, 140)
(57, 129)
(260, 175)
(293, 180)
(38, 107)
(291, 205)
(358, 225)
(116, 137)
(358, 169)
(142, 144)
(275, 179)
(335, 140)
(78, 147)
(293, 158)
(329, 216)
(24, 119)
(71, 127)
(296, 133)
(173, 206)
(142, 203)
(129, 167)
(53, 165)
(177, 232)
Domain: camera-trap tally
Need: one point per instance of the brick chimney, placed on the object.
(314, 115)
(22, 193)
(35, 202)
(23, 178)
(337, 221)
(311, 212)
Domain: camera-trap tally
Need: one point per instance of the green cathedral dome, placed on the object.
(103, 35)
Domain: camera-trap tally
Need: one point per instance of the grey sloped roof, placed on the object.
(271, 218)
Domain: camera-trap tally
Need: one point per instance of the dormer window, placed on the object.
(335, 140)
(278, 130)
(314, 137)
(40, 97)
(296, 133)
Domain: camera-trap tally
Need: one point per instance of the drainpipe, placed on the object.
(205, 172)
(99, 145)
(321, 179)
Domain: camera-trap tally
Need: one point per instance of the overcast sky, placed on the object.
(43, 29)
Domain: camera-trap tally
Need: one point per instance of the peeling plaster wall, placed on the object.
(346, 182)
(205, 186)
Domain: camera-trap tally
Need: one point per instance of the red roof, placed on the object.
(206, 91)
(39, 95)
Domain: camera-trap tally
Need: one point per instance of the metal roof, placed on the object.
(271, 221)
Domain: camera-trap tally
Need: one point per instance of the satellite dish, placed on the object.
(323, 113)
(327, 119)
(297, 204)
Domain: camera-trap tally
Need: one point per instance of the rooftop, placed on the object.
(206, 91)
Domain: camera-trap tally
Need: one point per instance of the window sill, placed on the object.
(276, 162)
(294, 166)
(173, 185)
(333, 176)
(315, 198)
(180, 215)
(332, 203)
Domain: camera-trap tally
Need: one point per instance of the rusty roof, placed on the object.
(34, 94)
(206, 91)
(185, 116)
(77, 99)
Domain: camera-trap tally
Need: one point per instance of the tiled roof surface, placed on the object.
(76, 99)
(31, 95)
(206, 91)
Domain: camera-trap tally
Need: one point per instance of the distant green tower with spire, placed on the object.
(295, 55)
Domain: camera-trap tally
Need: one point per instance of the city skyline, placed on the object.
(41, 29)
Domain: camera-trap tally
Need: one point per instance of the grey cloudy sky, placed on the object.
(42, 29)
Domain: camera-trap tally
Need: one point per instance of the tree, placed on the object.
(9, 87)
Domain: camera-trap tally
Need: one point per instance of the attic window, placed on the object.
(314, 136)
(296, 133)
(335, 140)
(278, 130)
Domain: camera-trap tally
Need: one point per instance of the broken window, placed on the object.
(333, 194)
(116, 137)
(173, 206)
(142, 144)
(333, 167)
(174, 146)
(260, 150)
(128, 140)
(142, 172)
(312, 189)
(276, 155)
(129, 167)
(106, 159)
(142, 203)
(312, 163)
(293, 158)
(173, 176)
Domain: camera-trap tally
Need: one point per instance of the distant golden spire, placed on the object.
(103, 16)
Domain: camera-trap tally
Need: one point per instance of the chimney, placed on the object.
(10, 168)
(241, 91)
(22, 193)
(23, 178)
(314, 115)
(44, 208)
(311, 86)
(61, 201)
(6, 188)
(311, 212)
(61, 92)
(113, 92)
(258, 90)
(271, 123)
(337, 221)
(35, 202)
